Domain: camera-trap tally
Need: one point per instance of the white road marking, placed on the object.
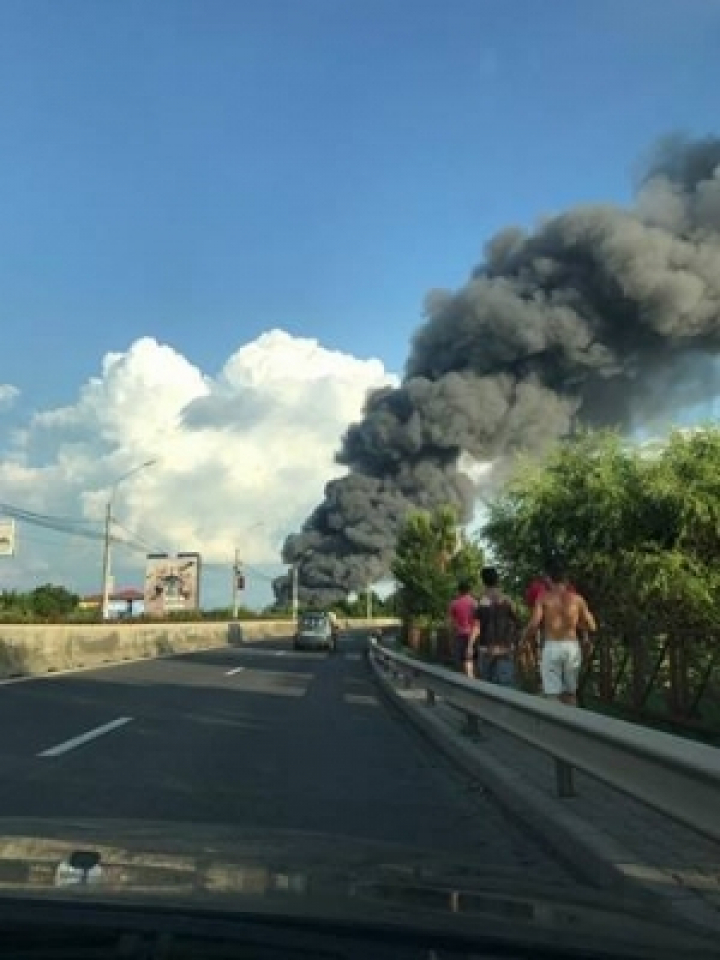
(84, 738)
(366, 699)
(280, 653)
(229, 673)
(353, 656)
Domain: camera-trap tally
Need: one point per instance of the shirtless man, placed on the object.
(561, 614)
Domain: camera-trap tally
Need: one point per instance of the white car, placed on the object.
(315, 632)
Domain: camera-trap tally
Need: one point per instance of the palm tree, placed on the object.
(445, 535)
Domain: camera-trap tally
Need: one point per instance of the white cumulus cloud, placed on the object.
(240, 457)
(8, 394)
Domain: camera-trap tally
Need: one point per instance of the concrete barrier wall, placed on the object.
(34, 649)
(360, 624)
(248, 630)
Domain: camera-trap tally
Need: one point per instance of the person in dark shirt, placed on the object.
(498, 627)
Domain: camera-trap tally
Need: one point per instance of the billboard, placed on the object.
(172, 584)
(7, 538)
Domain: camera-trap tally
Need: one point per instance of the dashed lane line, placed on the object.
(84, 738)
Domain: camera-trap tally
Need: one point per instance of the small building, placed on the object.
(127, 602)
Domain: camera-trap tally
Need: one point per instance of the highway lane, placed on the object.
(258, 736)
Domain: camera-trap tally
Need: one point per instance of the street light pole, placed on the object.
(295, 592)
(108, 536)
(295, 574)
(106, 562)
(236, 574)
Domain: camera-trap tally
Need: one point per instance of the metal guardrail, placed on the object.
(677, 777)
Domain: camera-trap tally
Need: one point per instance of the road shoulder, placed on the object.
(612, 840)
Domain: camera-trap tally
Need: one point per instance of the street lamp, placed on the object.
(108, 525)
(295, 583)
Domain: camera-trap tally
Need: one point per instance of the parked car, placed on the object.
(315, 632)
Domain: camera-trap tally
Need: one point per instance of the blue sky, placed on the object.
(201, 172)
(204, 170)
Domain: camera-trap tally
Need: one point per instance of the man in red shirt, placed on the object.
(464, 626)
(537, 587)
(535, 590)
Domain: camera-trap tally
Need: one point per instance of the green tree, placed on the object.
(49, 600)
(431, 557)
(639, 528)
(13, 600)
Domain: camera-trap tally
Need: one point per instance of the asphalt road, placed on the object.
(258, 736)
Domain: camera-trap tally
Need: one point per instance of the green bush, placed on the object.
(639, 530)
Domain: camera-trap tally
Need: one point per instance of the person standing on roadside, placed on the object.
(334, 622)
(532, 654)
(462, 624)
(497, 632)
(561, 613)
(537, 587)
(534, 590)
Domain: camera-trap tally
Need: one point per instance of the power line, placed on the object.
(50, 523)
(59, 528)
(33, 515)
(258, 573)
(136, 540)
(221, 566)
(153, 534)
(52, 543)
(73, 527)
(257, 566)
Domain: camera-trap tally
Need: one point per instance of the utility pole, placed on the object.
(236, 575)
(105, 611)
(368, 603)
(106, 562)
(294, 574)
(295, 581)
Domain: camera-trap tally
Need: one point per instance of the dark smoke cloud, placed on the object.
(600, 317)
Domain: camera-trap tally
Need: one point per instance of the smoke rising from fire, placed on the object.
(599, 317)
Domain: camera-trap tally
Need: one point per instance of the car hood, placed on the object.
(308, 875)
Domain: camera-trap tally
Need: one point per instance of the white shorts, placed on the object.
(560, 667)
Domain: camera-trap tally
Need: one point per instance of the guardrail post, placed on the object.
(430, 698)
(564, 779)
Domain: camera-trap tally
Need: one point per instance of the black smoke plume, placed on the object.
(601, 316)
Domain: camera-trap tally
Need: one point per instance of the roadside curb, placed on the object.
(586, 850)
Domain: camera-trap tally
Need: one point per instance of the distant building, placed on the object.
(172, 584)
(128, 602)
